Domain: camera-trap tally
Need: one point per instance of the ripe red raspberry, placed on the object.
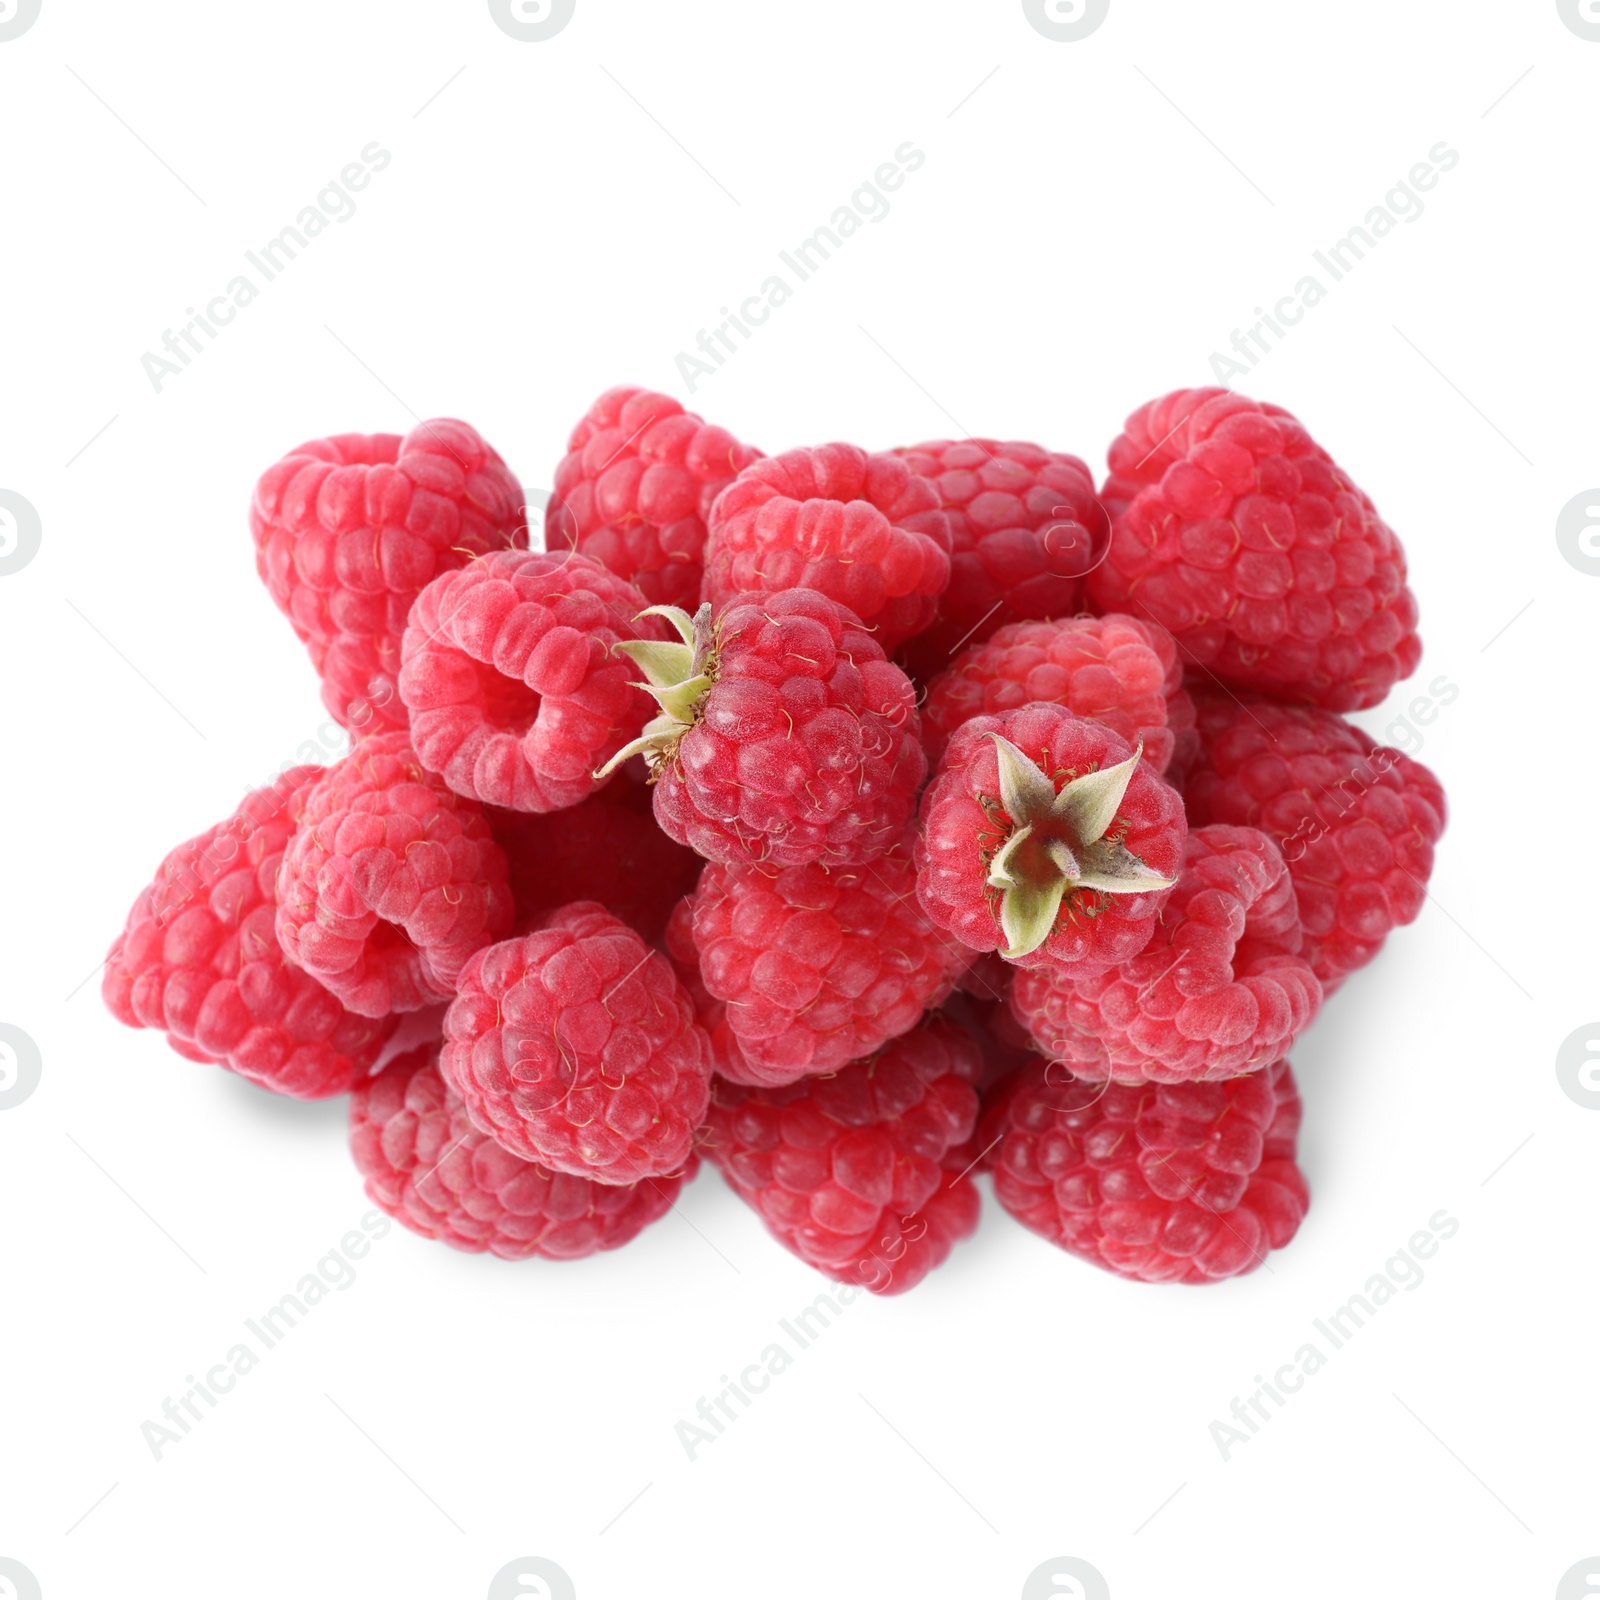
(846, 1169)
(1269, 566)
(727, 1057)
(389, 882)
(635, 489)
(863, 529)
(515, 693)
(816, 967)
(199, 959)
(349, 529)
(575, 1046)
(610, 848)
(1221, 988)
(1112, 669)
(1357, 823)
(785, 736)
(1025, 526)
(428, 1167)
(1046, 837)
(1178, 1183)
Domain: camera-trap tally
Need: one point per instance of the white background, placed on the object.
(561, 216)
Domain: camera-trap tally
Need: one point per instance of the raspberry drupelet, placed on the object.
(784, 735)
(349, 530)
(200, 960)
(847, 1170)
(1221, 989)
(577, 1047)
(636, 487)
(1025, 526)
(389, 882)
(1179, 1183)
(514, 690)
(1047, 838)
(819, 967)
(430, 1168)
(1356, 822)
(1113, 669)
(862, 529)
(1253, 547)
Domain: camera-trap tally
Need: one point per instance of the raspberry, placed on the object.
(609, 849)
(1269, 566)
(727, 1057)
(428, 1167)
(1178, 1183)
(575, 1046)
(1221, 989)
(1113, 669)
(348, 530)
(1045, 837)
(863, 529)
(635, 490)
(785, 735)
(390, 881)
(818, 968)
(1356, 822)
(1025, 526)
(514, 691)
(846, 1170)
(199, 959)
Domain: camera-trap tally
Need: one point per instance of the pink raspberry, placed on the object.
(575, 1046)
(1025, 526)
(1112, 669)
(609, 849)
(862, 529)
(785, 736)
(846, 1170)
(818, 968)
(428, 1167)
(1357, 823)
(1046, 837)
(199, 960)
(635, 490)
(1221, 988)
(348, 530)
(514, 690)
(1268, 565)
(1176, 1183)
(389, 882)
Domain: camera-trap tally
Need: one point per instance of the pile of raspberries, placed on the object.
(857, 822)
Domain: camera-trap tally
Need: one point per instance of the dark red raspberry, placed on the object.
(1356, 822)
(610, 848)
(429, 1168)
(785, 736)
(515, 693)
(819, 968)
(727, 1058)
(1177, 1183)
(1269, 566)
(1112, 669)
(199, 959)
(1045, 837)
(576, 1046)
(863, 529)
(1221, 988)
(389, 882)
(846, 1169)
(348, 530)
(1025, 526)
(635, 490)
